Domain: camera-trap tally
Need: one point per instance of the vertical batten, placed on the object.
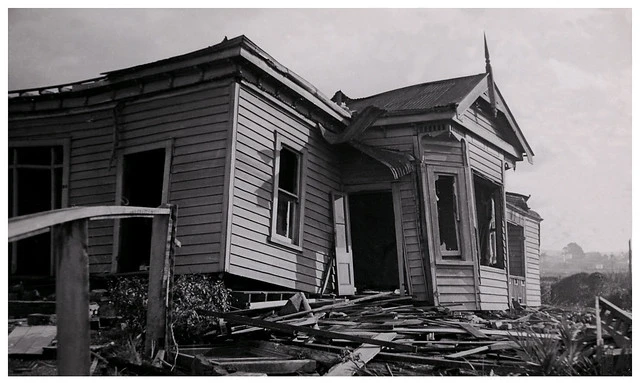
(229, 177)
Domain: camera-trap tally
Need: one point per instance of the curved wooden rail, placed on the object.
(33, 224)
(70, 232)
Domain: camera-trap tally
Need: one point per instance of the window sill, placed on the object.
(281, 242)
(492, 269)
(453, 262)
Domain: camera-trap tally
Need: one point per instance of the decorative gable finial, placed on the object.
(489, 71)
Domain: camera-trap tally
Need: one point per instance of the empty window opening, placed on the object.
(448, 217)
(488, 197)
(288, 205)
(142, 182)
(35, 185)
(516, 249)
(373, 239)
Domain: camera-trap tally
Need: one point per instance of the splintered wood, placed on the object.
(380, 334)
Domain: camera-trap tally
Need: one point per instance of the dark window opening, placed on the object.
(288, 205)
(373, 240)
(488, 197)
(448, 217)
(288, 179)
(35, 185)
(516, 250)
(142, 182)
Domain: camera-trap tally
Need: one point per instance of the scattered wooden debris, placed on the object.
(373, 335)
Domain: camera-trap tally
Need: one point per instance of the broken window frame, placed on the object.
(167, 145)
(464, 254)
(292, 236)
(499, 207)
(14, 168)
(457, 252)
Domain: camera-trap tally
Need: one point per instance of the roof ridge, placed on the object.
(417, 85)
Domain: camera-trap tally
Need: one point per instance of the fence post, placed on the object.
(159, 277)
(72, 297)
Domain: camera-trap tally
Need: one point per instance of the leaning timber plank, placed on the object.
(334, 306)
(359, 357)
(292, 328)
(297, 322)
(413, 359)
(473, 331)
(451, 330)
(490, 347)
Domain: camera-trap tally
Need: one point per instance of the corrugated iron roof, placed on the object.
(420, 97)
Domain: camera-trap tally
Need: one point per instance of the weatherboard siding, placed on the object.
(252, 255)
(532, 252)
(196, 119)
(456, 287)
(484, 159)
(493, 289)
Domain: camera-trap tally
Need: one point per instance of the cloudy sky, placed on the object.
(566, 75)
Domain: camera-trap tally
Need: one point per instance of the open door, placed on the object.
(344, 254)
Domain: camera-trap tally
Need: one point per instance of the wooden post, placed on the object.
(598, 323)
(158, 281)
(72, 298)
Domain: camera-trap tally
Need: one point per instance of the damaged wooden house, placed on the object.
(278, 184)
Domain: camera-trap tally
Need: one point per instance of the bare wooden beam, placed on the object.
(29, 225)
(159, 277)
(72, 298)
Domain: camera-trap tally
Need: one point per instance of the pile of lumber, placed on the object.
(378, 334)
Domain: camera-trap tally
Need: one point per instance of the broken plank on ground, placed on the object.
(204, 365)
(30, 340)
(359, 357)
(473, 331)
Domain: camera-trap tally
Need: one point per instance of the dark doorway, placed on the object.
(373, 238)
(142, 181)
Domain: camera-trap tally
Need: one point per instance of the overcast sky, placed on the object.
(566, 75)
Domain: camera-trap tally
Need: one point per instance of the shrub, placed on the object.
(190, 292)
(129, 298)
(196, 291)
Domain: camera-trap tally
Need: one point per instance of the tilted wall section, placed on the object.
(251, 254)
(196, 119)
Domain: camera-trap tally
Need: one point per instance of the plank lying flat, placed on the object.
(359, 357)
(273, 366)
(30, 340)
